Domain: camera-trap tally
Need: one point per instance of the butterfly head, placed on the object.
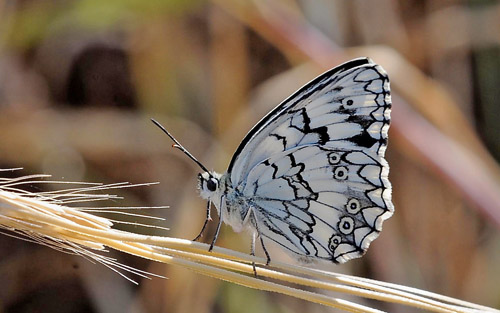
(209, 184)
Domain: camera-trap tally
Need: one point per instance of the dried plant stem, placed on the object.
(68, 229)
(227, 275)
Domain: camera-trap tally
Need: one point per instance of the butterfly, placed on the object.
(311, 175)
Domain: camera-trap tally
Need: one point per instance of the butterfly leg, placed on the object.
(268, 257)
(257, 233)
(207, 219)
(252, 252)
(218, 225)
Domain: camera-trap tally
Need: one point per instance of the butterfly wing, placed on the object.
(313, 169)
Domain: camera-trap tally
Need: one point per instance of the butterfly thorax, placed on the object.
(231, 206)
(236, 212)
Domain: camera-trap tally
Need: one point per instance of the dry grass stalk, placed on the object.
(45, 218)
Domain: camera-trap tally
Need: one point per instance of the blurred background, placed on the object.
(79, 81)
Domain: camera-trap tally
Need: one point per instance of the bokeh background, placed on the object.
(80, 79)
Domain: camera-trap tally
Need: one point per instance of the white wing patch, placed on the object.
(313, 170)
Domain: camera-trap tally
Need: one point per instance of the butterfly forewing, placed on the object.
(313, 169)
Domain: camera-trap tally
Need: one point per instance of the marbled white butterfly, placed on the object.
(311, 175)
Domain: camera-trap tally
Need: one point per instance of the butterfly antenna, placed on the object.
(178, 145)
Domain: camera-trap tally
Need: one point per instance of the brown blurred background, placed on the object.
(80, 79)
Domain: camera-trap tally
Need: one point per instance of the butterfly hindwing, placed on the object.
(313, 169)
(320, 202)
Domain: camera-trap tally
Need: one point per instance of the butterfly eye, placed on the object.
(212, 184)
